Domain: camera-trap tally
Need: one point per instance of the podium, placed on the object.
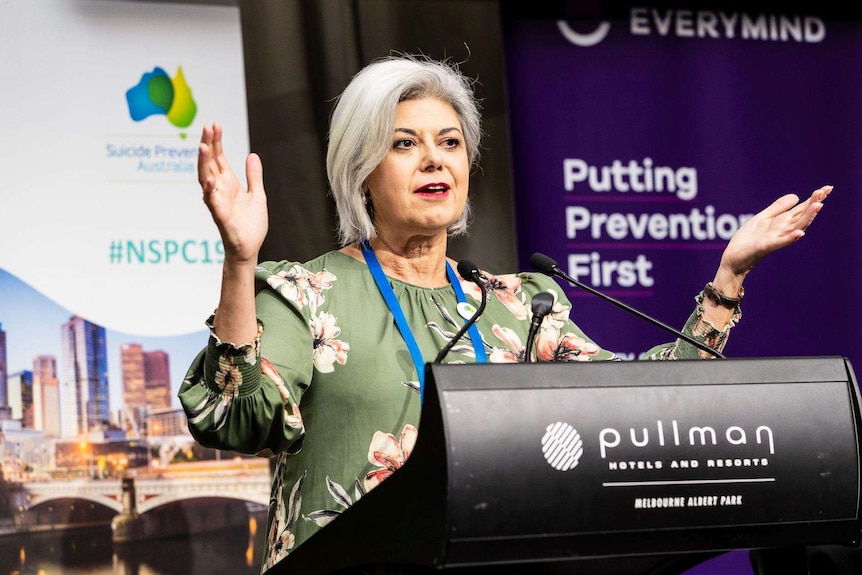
(610, 467)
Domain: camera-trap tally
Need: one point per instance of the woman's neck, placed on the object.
(417, 261)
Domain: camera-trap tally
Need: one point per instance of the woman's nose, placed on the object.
(433, 159)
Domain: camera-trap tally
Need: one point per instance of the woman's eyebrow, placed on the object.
(441, 132)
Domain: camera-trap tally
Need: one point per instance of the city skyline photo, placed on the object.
(32, 323)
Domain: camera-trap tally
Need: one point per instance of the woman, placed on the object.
(320, 364)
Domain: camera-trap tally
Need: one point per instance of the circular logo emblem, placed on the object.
(562, 446)
(465, 310)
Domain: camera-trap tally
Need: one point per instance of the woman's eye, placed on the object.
(451, 142)
(403, 144)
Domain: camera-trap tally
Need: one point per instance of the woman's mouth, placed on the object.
(433, 189)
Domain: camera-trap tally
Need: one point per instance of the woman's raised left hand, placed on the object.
(780, 224)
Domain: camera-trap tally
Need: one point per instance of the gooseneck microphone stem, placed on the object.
(541, 305)
(468, 271)
(549, 267)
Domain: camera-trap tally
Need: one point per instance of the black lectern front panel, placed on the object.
(534, 461)
(583, 457)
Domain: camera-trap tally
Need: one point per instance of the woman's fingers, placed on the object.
(218, 148)
(207, 167)
(780, 206)
(806, 211)
(254, 173)
(212, 162)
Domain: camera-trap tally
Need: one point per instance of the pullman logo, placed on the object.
(562, 446)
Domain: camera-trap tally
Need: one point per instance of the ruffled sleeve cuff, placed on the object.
(703, 331)
(232, 369)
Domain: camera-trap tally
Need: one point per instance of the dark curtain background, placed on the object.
(300, 54)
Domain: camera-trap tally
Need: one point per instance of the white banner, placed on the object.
(102, 109)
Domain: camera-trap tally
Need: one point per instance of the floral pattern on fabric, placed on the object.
(384, 452)
(514, 351)
(322, 517)
(506, 288)
(554, 345)
(551, 343)
(305, 289)
(281, 539)
(292, 416)
(302, 286)
(389, 454)
(228, 378)
(327, 349)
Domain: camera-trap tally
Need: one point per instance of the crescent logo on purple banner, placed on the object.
(562, 446)
(584, 40)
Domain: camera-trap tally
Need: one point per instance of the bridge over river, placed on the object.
(135, 500)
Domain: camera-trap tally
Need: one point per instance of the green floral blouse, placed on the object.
(329, 388)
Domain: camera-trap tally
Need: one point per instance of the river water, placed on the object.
(232, 551)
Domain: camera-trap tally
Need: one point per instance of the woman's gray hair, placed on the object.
(363, 121)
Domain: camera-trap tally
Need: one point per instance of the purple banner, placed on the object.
(637, 157)
(642, 141)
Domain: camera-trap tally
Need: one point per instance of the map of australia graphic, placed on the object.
(159, 94)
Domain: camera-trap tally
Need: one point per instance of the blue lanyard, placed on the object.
(401, 321)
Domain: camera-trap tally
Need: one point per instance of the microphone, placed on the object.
(541, 304)
(468, 271)
(549, 267)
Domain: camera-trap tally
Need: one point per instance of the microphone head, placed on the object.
(543, 263)
(469, 271)
(541, 304)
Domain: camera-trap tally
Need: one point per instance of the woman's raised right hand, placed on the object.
(240, 214)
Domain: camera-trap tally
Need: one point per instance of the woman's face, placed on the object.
(420, 188)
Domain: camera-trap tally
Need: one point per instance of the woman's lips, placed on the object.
(433, 189)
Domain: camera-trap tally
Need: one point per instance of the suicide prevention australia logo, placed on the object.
(154, 156)
(159, 94)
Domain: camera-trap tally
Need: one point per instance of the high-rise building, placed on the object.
(157, 372)
(46, 396)
(27, 403)
(20, 394)
(146, 383)
(84, 385)
(134, 385)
